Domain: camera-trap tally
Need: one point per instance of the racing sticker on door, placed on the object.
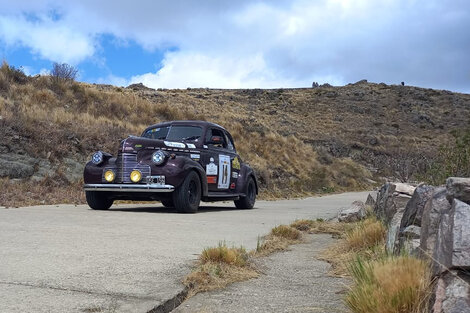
(211, 168)
(224, 172)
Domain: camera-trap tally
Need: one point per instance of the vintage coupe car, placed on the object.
(178, 163)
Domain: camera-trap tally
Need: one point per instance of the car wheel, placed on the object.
(168, 203)
(98, 200)
(187, 197)
(247, 202)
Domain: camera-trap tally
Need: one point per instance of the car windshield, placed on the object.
(174, 133)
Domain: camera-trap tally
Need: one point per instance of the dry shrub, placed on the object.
(366, 234)
(302, 225)
(365, 238)
(286, 232)
(390, 285)
(224, 254)
(320, 226)
(210, 276)
(52, 190)
(270, 244)
(218, 267)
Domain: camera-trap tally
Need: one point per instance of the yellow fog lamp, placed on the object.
(136, 176)
(109, 176)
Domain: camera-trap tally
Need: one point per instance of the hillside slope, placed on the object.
(300, 141)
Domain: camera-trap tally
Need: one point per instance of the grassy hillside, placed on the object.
(300, 141)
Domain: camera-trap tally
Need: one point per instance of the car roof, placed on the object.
(185, 123)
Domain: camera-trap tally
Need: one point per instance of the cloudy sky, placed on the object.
(243, 44)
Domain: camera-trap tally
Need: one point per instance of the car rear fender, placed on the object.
(245, 173)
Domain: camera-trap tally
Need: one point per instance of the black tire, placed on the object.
(247, 202)
(98, 200)
(168, 203)
(187, 197)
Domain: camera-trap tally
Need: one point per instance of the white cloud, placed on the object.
(260, 43)
(182, 70)
(48, 39)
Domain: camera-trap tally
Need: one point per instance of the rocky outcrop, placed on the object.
(435, 225)
(18, 166)
(356, 212)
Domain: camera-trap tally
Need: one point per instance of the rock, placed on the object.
(458, 188)
(388, 202)
(461, 235)
(409, 241)
(385, 205)
(452, 250)
(16, 166)
(405, 188)
(73, 170)
(451, 294)
(370, 201)
(442, 255)
(410, 246)
(412, 232)
(356, 212)
(391, 244)
(432, 212)
(415, 207)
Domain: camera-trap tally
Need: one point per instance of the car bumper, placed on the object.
(129, 187)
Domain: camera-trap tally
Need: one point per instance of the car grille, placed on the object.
(126, 163)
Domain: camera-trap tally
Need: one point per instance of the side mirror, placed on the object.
(216, 140)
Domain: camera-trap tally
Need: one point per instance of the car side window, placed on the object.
(230, 145)
(214, 132)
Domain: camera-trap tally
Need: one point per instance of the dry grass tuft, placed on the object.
(366, 234)
(224, 254)
(364, 238)
(211, 276)
(390, 285)
(218, 267)
(286, 232)
(320, 226)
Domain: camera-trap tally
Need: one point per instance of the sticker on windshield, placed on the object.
(211, 168)
(224, 168)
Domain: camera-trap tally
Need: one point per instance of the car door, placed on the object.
(217, 158)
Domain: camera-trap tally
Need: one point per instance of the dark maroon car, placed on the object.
(178, 163)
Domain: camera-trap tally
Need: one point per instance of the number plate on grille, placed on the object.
(156, 180)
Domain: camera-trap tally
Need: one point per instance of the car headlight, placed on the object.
(109, 176)
(97, 158)
(136, 176)
(158, 157)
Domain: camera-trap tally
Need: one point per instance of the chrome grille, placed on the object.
(126, 163)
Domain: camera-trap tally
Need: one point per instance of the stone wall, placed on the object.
(432, 223)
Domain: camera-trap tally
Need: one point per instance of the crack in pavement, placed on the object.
(114, 295)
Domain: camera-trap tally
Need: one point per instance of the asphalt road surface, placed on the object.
(130, 258)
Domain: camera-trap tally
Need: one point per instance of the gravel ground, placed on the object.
(292, 281)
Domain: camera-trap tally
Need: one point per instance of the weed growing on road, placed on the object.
(320, 226)
(222, 265)
(218, 267)
(286, 232)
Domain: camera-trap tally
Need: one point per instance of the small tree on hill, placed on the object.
(63, 72)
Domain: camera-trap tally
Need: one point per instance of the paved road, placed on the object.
(128, 259)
